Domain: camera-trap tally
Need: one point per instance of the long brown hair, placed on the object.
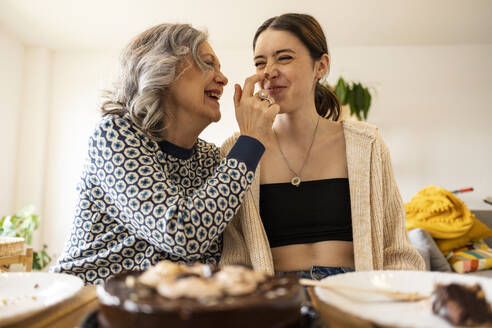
(307, 29)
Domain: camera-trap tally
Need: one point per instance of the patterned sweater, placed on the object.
(141, 201)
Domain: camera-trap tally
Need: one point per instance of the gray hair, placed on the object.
(150, 63)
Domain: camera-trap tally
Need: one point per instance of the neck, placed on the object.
(182, 133)
(296, 125)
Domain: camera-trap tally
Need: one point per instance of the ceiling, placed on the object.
(109, 24)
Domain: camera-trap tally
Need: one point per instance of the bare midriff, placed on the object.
(331, 253)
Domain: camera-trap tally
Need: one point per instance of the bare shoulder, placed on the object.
(329, 127)
(330, 133)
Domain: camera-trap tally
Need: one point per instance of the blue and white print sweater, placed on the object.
(141, 201)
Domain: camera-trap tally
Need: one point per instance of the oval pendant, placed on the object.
(296, 181)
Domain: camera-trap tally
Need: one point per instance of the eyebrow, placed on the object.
(212, 56)
(277, 52)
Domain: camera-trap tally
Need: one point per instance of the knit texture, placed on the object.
(445, 217)
(245, 236)
(439, 212)
(378, 216)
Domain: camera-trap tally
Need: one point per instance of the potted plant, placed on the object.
(23, 225)
(355, 95)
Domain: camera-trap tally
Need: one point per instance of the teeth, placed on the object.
(212, 94)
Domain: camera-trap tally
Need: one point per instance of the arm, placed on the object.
(151, 206)
(398, 254)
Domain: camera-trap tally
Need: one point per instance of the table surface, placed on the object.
(68, 313)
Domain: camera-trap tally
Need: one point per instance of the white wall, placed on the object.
(77, 81)
(11, 72)
(32, 127)
(434, 109)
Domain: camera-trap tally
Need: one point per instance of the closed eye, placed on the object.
(284, 58)
(210, 60)
(258, 64)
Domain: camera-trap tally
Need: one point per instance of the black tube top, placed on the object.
(316, 211)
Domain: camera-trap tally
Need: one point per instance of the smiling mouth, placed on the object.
(275, 90)
(213, 94)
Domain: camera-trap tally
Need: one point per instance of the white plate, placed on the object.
(378, 309)
(25, 293)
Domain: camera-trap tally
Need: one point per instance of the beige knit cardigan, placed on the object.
(378, 216)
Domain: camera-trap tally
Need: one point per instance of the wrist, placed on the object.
(261, 137)
(247, 149)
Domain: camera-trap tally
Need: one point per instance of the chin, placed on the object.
(209, 115)
(216, 115)
(216, 119)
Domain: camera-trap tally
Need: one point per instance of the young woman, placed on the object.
(324, 199)
(151, 189)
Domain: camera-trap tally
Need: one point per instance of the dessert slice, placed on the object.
(462, 305)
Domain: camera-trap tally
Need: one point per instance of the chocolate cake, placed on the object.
(182, 296)
(462, 305)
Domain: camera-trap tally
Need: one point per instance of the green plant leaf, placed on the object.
(341, 91)
(26, 223)
(8, 226)
(351, 103)
(27, 235)
(23, 224)
(359, 96)
(41, 259)
(355, 95)
(358, 99)
(367, 102)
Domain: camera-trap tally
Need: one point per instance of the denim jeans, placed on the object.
(319, 272)
(310, 315)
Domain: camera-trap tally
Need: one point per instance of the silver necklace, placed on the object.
(296, 180)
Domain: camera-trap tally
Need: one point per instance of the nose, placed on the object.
(270, 71)
(221, 79)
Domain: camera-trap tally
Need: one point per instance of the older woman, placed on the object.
(151, 189)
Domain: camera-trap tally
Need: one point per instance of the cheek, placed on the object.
(304, 83)
(208, 78)
(196, 95)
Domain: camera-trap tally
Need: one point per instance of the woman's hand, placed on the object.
(254, 116)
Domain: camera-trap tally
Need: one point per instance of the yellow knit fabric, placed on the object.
(477, 232)
(439, 212)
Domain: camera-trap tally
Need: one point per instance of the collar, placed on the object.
(176, 151)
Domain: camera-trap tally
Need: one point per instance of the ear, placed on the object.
(322, 66)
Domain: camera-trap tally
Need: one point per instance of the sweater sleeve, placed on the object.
(399, 254)
(124, 171)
